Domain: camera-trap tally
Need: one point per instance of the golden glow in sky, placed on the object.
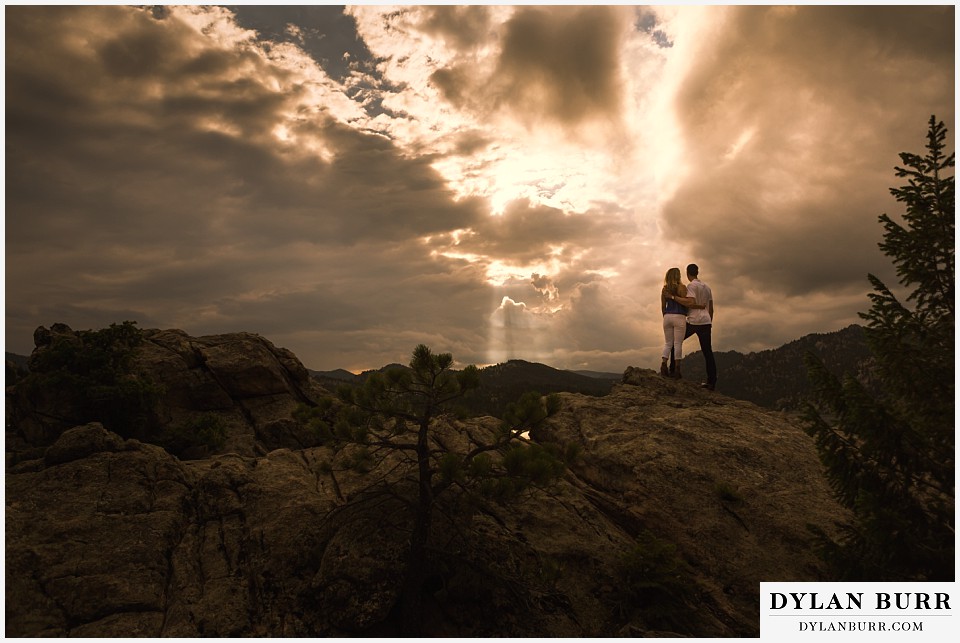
(493, 181)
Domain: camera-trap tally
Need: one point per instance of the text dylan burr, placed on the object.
(855, 601)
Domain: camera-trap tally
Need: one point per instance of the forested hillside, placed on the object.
(777, 378)
(500, 384)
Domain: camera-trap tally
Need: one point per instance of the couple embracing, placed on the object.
(687, 310)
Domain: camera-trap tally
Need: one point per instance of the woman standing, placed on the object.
(674, 320)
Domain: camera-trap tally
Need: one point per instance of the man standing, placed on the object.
(700, 323)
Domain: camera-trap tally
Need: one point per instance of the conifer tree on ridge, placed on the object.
(394, 413)
(890, 458)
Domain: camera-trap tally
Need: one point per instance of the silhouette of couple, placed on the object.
(687, 310)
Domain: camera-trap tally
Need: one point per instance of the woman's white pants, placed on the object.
(674, 328)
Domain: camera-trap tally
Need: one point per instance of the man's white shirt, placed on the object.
(702, 293)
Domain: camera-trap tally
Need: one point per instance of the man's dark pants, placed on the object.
(702, 331)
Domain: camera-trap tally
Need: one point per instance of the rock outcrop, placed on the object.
(244, 382)
(276, 536)
(734, 486)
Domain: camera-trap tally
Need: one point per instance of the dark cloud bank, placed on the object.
(145, 181)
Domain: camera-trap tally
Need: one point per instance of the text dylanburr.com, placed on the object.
(857, 611)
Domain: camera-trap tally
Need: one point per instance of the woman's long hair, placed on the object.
(672, 281)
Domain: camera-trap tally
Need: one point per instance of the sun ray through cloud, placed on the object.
(515, 179)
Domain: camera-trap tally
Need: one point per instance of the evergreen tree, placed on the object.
(890, 456)
(394, 412)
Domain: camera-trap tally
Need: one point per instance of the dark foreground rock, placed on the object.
(732, 485)
(681, 503)
(241, 381)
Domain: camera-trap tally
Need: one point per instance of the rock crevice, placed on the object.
(278, 536)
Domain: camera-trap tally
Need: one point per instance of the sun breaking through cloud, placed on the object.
(494, 181)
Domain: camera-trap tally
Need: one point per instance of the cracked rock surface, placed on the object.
(109, 537)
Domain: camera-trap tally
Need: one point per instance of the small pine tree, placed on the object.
(395, 412)
(890, 457)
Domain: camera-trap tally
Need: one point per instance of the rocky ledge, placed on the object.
(681, 502)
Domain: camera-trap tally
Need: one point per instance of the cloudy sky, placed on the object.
(494, 181)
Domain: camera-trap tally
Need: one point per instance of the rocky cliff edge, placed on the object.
(682, 501)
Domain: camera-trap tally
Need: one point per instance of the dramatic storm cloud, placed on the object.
(496, 182)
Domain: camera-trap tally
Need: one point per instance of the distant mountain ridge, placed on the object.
(599, 375)
(500, 384)
(777, 378)
(774, 378)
